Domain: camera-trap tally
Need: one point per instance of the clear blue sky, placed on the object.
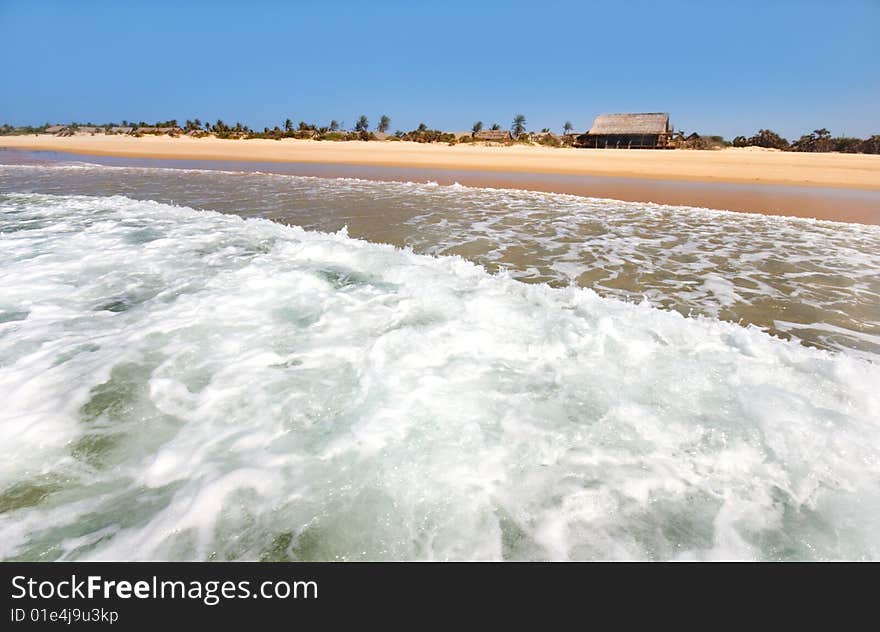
(718, 67)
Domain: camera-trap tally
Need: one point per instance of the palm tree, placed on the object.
(383, 125)
(567, 127)
(477, 128)
(288, 125)
(334, 125)
(422, 128)
(518, 127)
(495, 127)
(362, 125)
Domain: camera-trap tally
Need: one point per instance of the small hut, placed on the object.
(628, 131)
(496, 135)
(55, 129)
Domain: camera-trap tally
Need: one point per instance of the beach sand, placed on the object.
(767, 181)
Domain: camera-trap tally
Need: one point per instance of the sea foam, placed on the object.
(181, 384)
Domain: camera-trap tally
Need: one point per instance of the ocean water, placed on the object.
(668, 383)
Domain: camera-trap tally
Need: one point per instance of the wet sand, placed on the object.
(828, 203)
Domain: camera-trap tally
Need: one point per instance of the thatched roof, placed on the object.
(493, 134)
(651, 123)
(54, 129)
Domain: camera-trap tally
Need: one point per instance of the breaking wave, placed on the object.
(182, 384)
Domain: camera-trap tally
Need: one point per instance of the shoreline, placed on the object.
(731, 165)
(664, 177)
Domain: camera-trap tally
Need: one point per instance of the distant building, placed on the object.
(54, 129)
(120, 130)
(496, 135)
(87, 129)
(160, 130)
(628, 131)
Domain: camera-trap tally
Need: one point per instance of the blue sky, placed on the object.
(718, 67)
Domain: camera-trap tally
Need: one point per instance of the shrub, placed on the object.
(768, 139)
(871, 145)
(333, 136)
(549, 140)
(696, 141)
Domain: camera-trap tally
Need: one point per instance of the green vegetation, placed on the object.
(424, 135)
(697, 141)
(548, 139)
(763, 138)
(819, 140)
(9, 130)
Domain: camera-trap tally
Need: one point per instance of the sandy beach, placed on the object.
(839, 187)
(752, 166)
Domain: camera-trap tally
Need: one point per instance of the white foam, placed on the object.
(191, 385)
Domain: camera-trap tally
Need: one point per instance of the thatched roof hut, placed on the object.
(54, 129)
(629, 131)
(498, 135)
(652, 123)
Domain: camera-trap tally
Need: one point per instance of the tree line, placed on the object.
(819, 140)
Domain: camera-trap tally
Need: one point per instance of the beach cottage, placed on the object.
(629, 131)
